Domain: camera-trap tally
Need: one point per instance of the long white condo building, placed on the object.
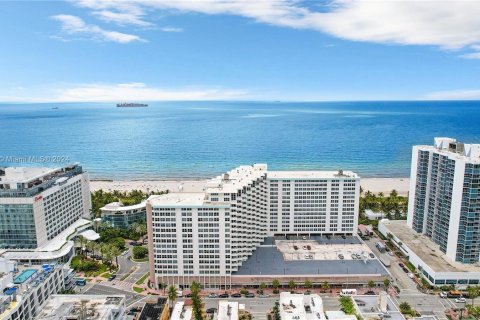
(211, 233)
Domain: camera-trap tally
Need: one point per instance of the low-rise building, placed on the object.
(92, 307)
(294, 306)
(371, 307)
(434, 265)
(229, 310)
(182, 310)
(117, 215)
(23, 289)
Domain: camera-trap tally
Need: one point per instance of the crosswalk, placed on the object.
(122, 285)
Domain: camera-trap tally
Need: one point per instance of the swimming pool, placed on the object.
(24, 276)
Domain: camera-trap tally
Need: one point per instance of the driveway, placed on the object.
(126, 265)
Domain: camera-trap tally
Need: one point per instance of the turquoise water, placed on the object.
(200, 139)
(24, 276)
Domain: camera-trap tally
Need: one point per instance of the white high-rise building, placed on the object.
(211, 233)
(444, 199)
(37, 204)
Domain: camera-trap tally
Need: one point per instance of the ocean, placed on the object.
(174, 140)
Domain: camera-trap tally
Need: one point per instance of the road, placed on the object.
(125, 265)
(98, 289)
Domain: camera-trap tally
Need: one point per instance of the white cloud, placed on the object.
(473, 94)
(134, 91)
(444, 23)
(75, 25)
(122, 18)
(172, 29)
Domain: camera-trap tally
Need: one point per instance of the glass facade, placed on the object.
(421, 190)
(17, 226)
(125, 220)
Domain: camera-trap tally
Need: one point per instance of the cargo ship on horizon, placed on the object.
(131, 105)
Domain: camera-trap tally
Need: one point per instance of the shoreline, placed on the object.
(374, 185)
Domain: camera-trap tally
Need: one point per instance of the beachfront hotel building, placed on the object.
(117, 215)
(444, 199)
(207, 236)
(441, 236)
(38, 204)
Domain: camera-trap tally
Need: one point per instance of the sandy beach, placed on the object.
(374, 185)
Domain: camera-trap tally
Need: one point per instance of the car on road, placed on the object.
(411, 275)
(401, 265)
(212, 295)
(371, 255)
(443, 294)
(370, 293)
(132, 243)
(113, 276)
(236, 295)
(211, 310)
(391, 253)
(304, 247)
(249, 295)
(223, 295)
(125, 252)
(460, 300)
(263, 295)
(405, 270)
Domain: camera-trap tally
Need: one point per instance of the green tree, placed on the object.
(275, 283)
(115, 253)
(140, 252)
(386, 283)
(325, 286)
(172, 295)
(292, 285)
(307, 284)
(473, 292)
(90, 245)
(371, 284)
(405, 308)
(196, 301)
(80, 242)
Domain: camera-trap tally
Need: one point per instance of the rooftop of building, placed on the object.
(268, 260)
(455, 149)
(153, 309)
(118, 206)
(228, 310)
(339, 174)
(59, 307)
(182, 311)
(427, 250)
(29, 181)
(178, 199)
(294, 306)
(369, 307)
(235, 179)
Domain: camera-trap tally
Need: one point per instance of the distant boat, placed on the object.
(55, 108)
(131, 105)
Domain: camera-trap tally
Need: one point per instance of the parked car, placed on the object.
(340, 256)
(304, 238)
(249, 295)
(212, 295)
(411, 275)
(304, 247)
(113, 276)
(236, 295)
(211, 310)
(443, 294)
(223, 295)
(344, 237)
(309, 248)
(264, 295)
(295, 247)
(405, 270)
(132, 243)
(371, 255)
(460, 300)
(188, 295)
(370, 292)
(401, 265)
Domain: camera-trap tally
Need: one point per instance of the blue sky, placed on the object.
(92, 50)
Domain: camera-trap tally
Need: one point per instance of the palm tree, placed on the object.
(104, 248)
(275, 283)
(115, 253)
(325, 286)
(386, 283)
(371, 284)
(80, 241)
(196, 301)
(172, 294)
(90, 245)
(263, 285)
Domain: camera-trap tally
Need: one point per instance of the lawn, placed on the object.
(142, 279)
(137, 289)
